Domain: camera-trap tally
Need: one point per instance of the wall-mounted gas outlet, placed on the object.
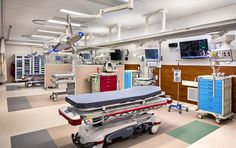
(156, 77)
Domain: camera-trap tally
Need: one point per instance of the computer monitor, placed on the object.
(116, 56)
(86, 56)
(151, 54)
(196, 49)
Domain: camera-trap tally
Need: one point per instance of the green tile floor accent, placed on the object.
(192, 131)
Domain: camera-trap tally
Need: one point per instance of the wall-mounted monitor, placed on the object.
(151, 54)
(86, 56)
(196, 49)
(116, 56)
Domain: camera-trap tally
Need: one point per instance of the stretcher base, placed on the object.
(96, 136)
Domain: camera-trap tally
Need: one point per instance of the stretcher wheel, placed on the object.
(199, 116)
(154, 129)
(29, 85)
(186, 109)
(168, 109)
(180, 112)
(218, 121)
(53, 97)
(98, 146)
(75, 138)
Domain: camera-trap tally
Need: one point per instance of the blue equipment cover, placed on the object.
(99, 99)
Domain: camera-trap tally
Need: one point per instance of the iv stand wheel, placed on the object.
(218, 121)
(199, 116)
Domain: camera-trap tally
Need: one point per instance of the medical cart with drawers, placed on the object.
(103, 82)
(215, 97)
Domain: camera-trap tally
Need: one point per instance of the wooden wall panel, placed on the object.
(132, 66)
(190, 73)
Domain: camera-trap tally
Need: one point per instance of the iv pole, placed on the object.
(177, 79)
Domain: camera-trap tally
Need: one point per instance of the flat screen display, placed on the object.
(151, 54)
(86, 56)
(116, 56)
(194, 49)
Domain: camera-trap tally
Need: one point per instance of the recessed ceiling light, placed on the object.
(81, 15)
(40, 36)
(71, 12)
(63, 23)
(51, 32)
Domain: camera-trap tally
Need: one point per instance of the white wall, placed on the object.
(11, 50)
(171, 55)
(216, 15)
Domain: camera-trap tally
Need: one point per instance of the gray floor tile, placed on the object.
(12, 87)
(38, 139)
(17, 103)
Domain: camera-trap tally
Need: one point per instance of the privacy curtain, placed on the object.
(3, 64)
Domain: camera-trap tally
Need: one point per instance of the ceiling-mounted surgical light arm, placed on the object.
(128, 5)
(161, 11)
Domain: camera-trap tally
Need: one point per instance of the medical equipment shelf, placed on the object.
(38, 65)
(22, 66)
(25, 65)
(215, 97)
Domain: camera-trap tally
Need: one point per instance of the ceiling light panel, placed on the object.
(40, 36)
(63, 23)
(72, 12)
(50, 32)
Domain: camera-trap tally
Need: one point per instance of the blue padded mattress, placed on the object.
(93, 100)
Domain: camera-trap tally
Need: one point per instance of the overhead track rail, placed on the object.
(226, 25)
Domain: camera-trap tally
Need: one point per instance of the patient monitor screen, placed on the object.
(151, 54)
(194, 49)
(86, 56)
